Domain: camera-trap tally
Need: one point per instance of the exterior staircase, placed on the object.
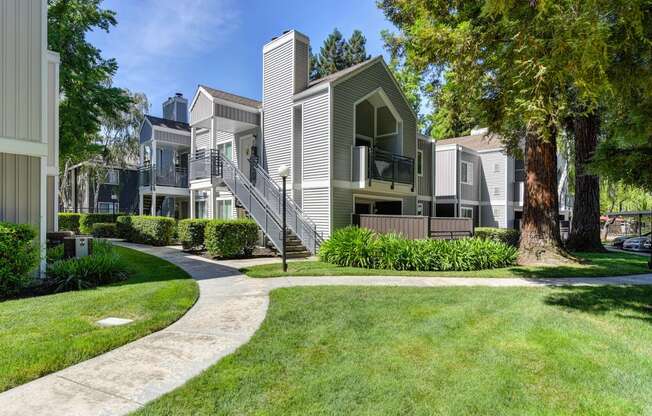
(262, 198)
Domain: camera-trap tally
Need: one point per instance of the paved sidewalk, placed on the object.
(229, 310)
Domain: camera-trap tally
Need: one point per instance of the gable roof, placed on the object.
(227, 96)
(170, 124)
(476, 142)
(339, 74)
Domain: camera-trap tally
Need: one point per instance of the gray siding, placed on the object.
(20, 185)
(168, 136)
(237, 114)
(301, 68)
(493, 176)
(316, 207)
(471, 192)
(365, 119)
(202, 140)
(493, 216)
(202, 109)
(425, 181)
(278, 87)
(53, 122)
(446, 176)
(21, 63)
(316, 138)
(297, 150)
(145, 132)
(345, 95)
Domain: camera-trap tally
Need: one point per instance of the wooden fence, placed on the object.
(416, 227)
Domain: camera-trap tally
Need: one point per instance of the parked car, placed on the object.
(637, 244)
(619, 241)
(648, 245)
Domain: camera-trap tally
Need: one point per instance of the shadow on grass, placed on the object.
(596, 265)
(632, 302)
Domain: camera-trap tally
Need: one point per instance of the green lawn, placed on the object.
(45, 334)
(435, 351)
(608, 264)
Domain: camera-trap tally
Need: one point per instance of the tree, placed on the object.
(520, 58)
(354, 50)
(85, 76)
(453, 116)
(337, 54)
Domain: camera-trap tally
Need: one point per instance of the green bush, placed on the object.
(54, 253)
(505, 235)
(230, 238)
(69, 221)
(19, 256)
(191, 233)
(105, 230)
(86, 221)
(104, 266)
(123, 227)
(358, 247)
(156, 231)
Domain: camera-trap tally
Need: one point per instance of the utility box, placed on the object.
(76, 247)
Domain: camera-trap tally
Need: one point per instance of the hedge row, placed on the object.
(104, 230)
(504, 235)
(156, 231)
(19, 257)
(191, 233)
(360, 247)
(230, 238)
(83, 223)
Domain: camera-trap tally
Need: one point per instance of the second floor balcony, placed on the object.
(151, 175)
(204, 165)
(372, 164)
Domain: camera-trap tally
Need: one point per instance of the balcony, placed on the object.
(174, 176)
(371, 164)
(204, 165)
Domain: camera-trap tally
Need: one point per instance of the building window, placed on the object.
(108, 207)
(419, 208)
(201, 204)
(112, 177)
(226, 149)
(224, 208)
(466, 173)
(419, 163)
(466, 212)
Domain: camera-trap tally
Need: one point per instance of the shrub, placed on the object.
(104, 266)
(123, 227)
(191, 233)
(105, 230)
(69, 221)
(349, 246)
(54, 253)
(86, 221)
(505, 235)
(230, 238)
(358, 247)
(19, 256)
(156, 231)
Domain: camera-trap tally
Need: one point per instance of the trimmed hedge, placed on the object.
(69, 221)
(230, 238)
(504, 235)
(123, 227)
(156, 231)
(191, 233)
(19, 257)
(359, 247)
(86, 221)
(105, 230)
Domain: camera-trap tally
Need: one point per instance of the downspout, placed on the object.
(433, 168)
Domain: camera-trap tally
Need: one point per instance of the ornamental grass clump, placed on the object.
(359, 247)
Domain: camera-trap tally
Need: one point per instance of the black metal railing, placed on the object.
(390, 167)
(173, 176)
(204, 165)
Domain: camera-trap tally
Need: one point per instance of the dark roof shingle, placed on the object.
(238, 99)
(170, 124)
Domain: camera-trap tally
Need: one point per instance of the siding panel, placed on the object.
(202, 109)
(493, 177)
(446, 176)
(316, 138)
(20, 187)
(315, 205)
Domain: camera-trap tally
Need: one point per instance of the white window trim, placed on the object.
(467, 209)
(419, 155)
(469, 172)
(108, 172)
(223, 199)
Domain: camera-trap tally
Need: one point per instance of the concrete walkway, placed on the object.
(229, 310)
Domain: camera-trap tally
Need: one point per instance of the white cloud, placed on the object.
(153, 36)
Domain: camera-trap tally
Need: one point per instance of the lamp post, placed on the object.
(283, 172)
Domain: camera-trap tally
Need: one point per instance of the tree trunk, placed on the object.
(540, 239)
(585, 229)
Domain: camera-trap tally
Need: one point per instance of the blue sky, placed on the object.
(168, 46)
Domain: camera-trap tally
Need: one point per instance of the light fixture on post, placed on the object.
(283, 172)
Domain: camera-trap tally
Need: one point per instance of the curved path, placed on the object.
(229, 310)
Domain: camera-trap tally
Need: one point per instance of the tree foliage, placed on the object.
(87, 94)
(337, 54)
